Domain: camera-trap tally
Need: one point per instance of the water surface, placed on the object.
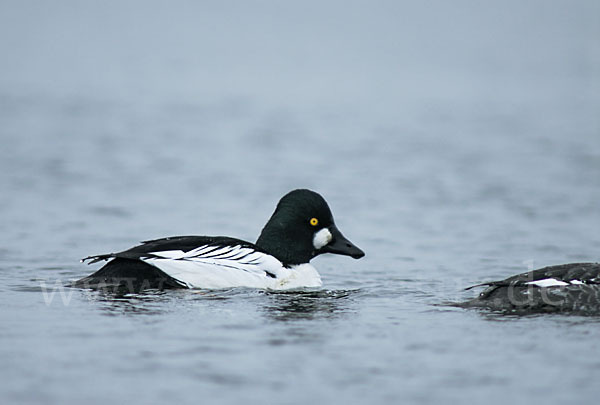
(455, 142)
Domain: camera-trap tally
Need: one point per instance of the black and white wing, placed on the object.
(206, 262)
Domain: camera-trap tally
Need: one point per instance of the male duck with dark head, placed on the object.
(300, 229)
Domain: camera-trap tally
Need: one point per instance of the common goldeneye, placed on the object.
(573, 287)
(301, 228)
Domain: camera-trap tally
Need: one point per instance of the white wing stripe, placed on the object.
(229, 254)
(547, 282)
(202, 250)
(212, 252)
(241, 255)
(170, 254)
(220, 251)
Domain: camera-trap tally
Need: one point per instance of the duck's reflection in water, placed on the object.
(306, 305)
(277, 306)
(113, 304)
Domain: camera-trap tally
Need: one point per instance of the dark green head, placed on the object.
(301, 228)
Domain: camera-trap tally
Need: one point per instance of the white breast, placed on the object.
(232, 266)
(299, 276)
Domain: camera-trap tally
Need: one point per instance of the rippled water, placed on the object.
(455, 142)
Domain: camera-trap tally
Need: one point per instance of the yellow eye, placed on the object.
(314, 221)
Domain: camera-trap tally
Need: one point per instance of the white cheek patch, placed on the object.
(322, 238)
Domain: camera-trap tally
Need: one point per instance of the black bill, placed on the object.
(341, 246)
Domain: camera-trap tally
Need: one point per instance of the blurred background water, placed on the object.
(456, 142)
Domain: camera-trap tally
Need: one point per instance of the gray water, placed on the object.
(456, 142)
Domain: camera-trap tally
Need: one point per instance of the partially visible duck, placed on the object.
(573, 287)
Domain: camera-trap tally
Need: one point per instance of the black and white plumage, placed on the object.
(301, 228)
(573, 287)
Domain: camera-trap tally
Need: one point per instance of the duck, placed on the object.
(566, 288)
(301, 228)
